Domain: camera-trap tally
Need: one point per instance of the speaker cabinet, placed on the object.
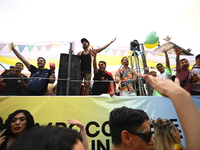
(74, 82)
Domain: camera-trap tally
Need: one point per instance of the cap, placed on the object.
(84, 39)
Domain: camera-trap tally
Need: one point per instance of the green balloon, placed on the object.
(151, 38)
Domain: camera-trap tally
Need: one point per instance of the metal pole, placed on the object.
(140, 80)
(131, 62)
(144, 66)
(138, 70)
(69, 69)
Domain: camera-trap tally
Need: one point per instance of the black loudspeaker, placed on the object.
(74, 85)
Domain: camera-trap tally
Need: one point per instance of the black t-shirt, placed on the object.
(33, 70)
(101, 87)
(13, 86)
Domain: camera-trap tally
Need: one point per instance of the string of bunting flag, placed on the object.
(5, 47)
(54, 50)
(30, 47)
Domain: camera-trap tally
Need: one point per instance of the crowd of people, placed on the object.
(129, 128)
(125, 82)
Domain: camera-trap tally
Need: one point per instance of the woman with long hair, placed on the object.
(15, 125)
(167, 136)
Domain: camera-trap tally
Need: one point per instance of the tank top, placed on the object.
(85, 63)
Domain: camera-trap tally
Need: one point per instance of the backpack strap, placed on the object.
(186, 78)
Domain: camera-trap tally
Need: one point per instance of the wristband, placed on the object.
(83, 128)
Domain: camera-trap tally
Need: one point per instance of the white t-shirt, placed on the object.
(164, 75)
(196, 87)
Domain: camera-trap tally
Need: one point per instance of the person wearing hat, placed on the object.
(86, 59)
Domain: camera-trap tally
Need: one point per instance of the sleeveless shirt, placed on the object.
(85, 63)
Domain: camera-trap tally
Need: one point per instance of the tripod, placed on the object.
(139, 48)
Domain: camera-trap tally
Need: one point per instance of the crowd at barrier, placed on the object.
(129, 128)
(127, 82)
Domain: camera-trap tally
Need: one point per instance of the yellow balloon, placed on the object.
(149, 46)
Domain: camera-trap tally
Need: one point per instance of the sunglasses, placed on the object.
(144, 136)
(101, 64)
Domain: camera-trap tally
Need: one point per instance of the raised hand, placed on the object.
(93, 52)
(178, 51)
(12, 46)
(165, 51)
(76, 122)
(113, 39)
(83, 132)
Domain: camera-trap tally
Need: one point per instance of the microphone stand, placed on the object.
(69, 69)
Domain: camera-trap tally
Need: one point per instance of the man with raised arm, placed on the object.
(164, 74)
(41, 85)
(182, 71)
(103, 80)
(86, 60)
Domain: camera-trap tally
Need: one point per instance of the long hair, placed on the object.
(8, 133)
(163, 131)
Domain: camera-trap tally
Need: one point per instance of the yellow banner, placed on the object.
(93, 112)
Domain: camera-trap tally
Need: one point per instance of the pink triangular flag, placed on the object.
(122, 52)
(48, 47)
(2, 46)
(114, 51)
(39, 47)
